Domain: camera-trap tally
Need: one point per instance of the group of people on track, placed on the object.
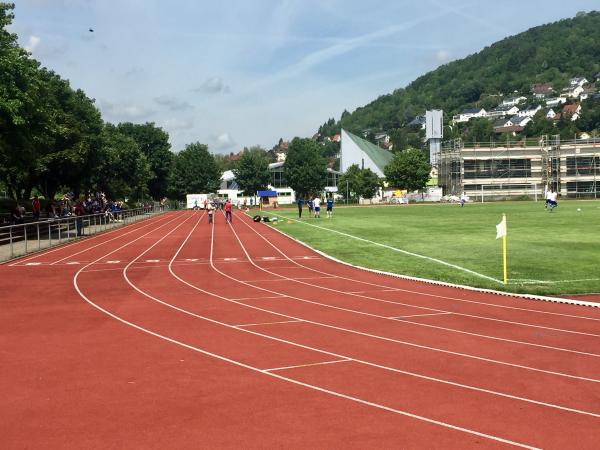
(314, 206)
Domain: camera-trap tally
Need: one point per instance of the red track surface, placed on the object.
(171, 333)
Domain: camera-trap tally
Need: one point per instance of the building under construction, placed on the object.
(527, 168)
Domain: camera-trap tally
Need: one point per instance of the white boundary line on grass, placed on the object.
(569, 301)
(395, 249)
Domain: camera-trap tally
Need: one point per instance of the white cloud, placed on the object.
(178, 124)
(213, 85)
(173, 103)
(442, 56)
(223, 143)
(32, 43)
(120, 111)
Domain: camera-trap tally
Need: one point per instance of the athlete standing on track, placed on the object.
(228, 211)
(211, 210)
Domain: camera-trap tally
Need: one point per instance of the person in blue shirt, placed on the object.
(299, 202)
(309, 203)
(330, 206)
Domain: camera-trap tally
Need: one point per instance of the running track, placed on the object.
(171, 333)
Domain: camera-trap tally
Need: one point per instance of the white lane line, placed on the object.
(283, 279)
(229, 259)
(33, 264)
(315, 349)
(405, 252)
(296, 382)
(73, 263)
(267, 323)
(421, 307)
(412, 344)
(307, 365)
(434, 282)
(113, 261)
(191, 259)
(152, 260)
(258, 298)
(420, 315)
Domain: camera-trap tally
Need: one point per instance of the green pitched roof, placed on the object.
(379, 156)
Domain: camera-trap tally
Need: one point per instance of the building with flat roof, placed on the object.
(502, 170)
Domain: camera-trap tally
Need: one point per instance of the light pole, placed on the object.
(346, 191)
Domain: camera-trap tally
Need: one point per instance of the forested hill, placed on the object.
(549, 53)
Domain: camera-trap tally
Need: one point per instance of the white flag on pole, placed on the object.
(501, 228)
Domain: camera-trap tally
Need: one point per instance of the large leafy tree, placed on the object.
(359, 182)
(252, 173)
(305, 169)
(123, 170)
(408, 170)
(154, 143)
(194, 171)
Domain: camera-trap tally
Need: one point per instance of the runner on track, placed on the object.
(228, 211)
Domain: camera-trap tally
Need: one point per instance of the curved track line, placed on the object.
(280, 377)
(77, 241)
(409, 291)
(360, 333)
(298, 280)
(341, 357)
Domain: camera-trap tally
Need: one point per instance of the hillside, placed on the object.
(549, 53)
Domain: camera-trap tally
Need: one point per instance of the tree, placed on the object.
(154, 143)
(252, 173)
(123, 170)
(305, 169)
(359, 182)
(194, 171)
(408, 170)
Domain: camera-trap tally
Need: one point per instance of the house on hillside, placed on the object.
(502, 123)
(418, 121)
(336, 138)
(556, 101)
(588, 91)
(572, 91)
(502, 111)
(382, 138)
(573, 111)
(469, 114)
(550, 113)
(512, 129)
(597, 76)
(530, 111)
(541, 90)
(281, 151)
(513, 101)
(577, 81)
(520, 121)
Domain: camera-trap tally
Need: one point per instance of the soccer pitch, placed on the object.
(548, 252)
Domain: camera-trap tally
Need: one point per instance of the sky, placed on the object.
(238, 73)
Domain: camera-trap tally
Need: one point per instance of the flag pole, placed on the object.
(505, 271)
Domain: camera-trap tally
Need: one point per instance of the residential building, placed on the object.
(530, 111)
(469, 114)
(549, 112)
(556, 101)
(418, 121)
(588, 91)
(520, 121)
(572, 91)
(542, 90)
(502, 110)
(577, 81)
(513, 101)
(573, 111)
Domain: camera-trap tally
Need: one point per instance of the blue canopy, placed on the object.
(266, 193)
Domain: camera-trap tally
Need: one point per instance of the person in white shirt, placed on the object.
(548, 195)
(317, 205)
(211, 209)
(552, 201)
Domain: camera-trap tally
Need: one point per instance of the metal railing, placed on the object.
(21, 239)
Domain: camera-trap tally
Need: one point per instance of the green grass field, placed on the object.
(548, 252)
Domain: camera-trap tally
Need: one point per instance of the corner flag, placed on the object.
(501, 228)
(501, 233)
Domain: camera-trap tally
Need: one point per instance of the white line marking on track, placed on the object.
(308, 365)
(268, 323)
(229, 259)
(152, 260)
(240, 364)
(191, 259)
(421, 315)
(417, 306)
(73, 263)
(33, 264)
(258, 298)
